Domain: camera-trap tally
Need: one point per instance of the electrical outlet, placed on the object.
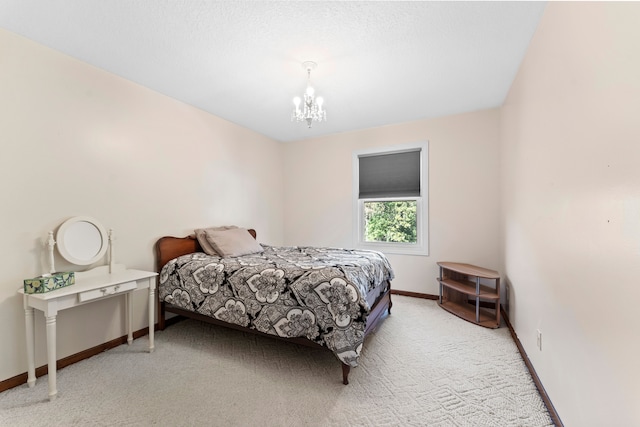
(539, 339)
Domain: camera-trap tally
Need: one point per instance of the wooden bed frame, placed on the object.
(168, 248)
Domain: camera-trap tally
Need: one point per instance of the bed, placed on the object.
(327, 297)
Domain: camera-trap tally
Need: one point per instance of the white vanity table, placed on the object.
(93, 285)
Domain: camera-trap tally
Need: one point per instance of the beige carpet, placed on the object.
(422, 367)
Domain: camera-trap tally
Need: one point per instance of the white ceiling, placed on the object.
(379, 63)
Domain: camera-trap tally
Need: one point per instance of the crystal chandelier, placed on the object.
(311, 107)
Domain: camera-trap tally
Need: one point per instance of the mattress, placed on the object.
(321, 294)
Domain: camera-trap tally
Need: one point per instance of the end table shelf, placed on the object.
(461, 293)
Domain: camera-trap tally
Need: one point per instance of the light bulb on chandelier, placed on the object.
(311, 110)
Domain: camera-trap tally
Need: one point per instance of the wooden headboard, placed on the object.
(168, 248)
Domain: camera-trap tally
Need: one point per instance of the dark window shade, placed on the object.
(389, 175)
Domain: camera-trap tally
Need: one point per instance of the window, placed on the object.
(390, 199)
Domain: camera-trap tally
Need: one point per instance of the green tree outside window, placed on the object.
(391, 221)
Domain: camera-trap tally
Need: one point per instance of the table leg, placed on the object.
(152, 317)
(31, 347)
(129, 308)
(51, 356)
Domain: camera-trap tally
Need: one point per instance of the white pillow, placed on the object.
(233, 242)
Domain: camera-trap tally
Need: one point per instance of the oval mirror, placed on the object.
(82, 240)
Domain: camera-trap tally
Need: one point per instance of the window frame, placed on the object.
(421, 247)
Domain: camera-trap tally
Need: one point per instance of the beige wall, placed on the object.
(463, 192)
(571, 193)
(79, 141)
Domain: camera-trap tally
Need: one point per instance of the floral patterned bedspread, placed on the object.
(317, 293)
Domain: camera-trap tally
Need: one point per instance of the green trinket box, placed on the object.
(49, 282)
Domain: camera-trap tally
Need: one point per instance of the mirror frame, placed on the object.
(60, 240)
